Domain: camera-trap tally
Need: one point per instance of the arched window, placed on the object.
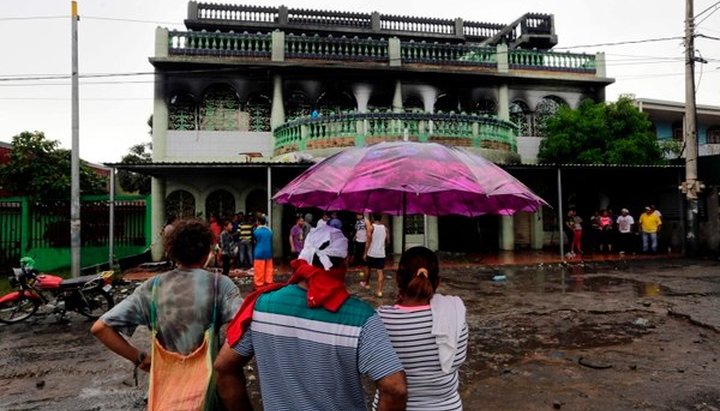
(379, 101)
(220, 203)
(546, 108)
(713, 135)
(258, 107)
(413, 105)
(485, 106)
(220, 109)
(520, 115)
(182, 113)
(335, 102)
(447, 102)
(180, 204)
(298, 105)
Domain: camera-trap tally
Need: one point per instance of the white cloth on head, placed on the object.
(448, 319)
(337, 247)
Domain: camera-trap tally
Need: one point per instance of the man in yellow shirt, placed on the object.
(650, 224)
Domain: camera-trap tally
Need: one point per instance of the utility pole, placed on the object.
(691, 187)
(75, 151)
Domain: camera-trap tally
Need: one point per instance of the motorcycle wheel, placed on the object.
(98, 303)
(15, 311)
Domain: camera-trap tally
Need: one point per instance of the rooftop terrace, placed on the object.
(530, 31)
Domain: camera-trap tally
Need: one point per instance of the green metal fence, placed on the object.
(43, 230)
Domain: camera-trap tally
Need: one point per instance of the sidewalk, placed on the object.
(490, 259)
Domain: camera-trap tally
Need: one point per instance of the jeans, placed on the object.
(652, 239)
(245, 254)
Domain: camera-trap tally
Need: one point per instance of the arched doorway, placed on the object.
(256, 201)
(297, 105)
(220, 203)
(180, 204)
(485, 107)
(335, 102)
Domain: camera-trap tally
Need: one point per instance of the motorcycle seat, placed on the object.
(76, 282)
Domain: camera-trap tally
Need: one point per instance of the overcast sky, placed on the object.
(114, 112)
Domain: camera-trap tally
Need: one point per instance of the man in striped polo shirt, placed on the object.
(311, 339)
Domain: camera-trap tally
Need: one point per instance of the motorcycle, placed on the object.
(87, 295)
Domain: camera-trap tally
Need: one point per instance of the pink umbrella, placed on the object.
(410, 178)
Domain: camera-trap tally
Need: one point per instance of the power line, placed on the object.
(66, 99)
(705, 36)
(124, 20)
(713, 7)
(33, 18)
(621, 43)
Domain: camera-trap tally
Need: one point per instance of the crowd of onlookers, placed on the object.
(605, 232)
(311, 338)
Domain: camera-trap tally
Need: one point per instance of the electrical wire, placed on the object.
(125, 20)
(622, 43)
(33, 18)
(705, 36)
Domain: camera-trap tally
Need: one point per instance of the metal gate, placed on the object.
(10, 233)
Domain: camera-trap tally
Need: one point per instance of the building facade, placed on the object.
(246, 91)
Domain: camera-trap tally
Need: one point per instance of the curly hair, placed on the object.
(189, 242)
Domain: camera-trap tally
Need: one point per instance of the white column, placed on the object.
(507, 233)
(157, 246)
(277, 111)
(397, 103)
(362, 96)
(503, 106)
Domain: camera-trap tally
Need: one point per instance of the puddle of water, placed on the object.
(547, 280)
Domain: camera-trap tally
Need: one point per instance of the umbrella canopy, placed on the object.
(410, 178)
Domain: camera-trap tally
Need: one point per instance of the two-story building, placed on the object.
(245, 92)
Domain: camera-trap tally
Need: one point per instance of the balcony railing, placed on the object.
(202, 43)
(447, 54)
(357, 129)
(329, 48)
(545, 60)
(332, 48)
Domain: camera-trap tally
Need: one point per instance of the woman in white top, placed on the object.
(378, 237)
(429, 333)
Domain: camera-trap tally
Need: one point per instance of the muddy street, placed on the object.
(603, 336)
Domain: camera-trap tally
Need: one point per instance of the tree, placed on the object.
(40, 170)
(130, 181)
(600, 133)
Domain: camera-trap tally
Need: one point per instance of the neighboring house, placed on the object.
(244, 86)
(668, 123)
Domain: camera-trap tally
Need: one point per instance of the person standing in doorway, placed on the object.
(263, 265)
(297, 239)
(650, 224)
(378, 238)
(625, 223)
